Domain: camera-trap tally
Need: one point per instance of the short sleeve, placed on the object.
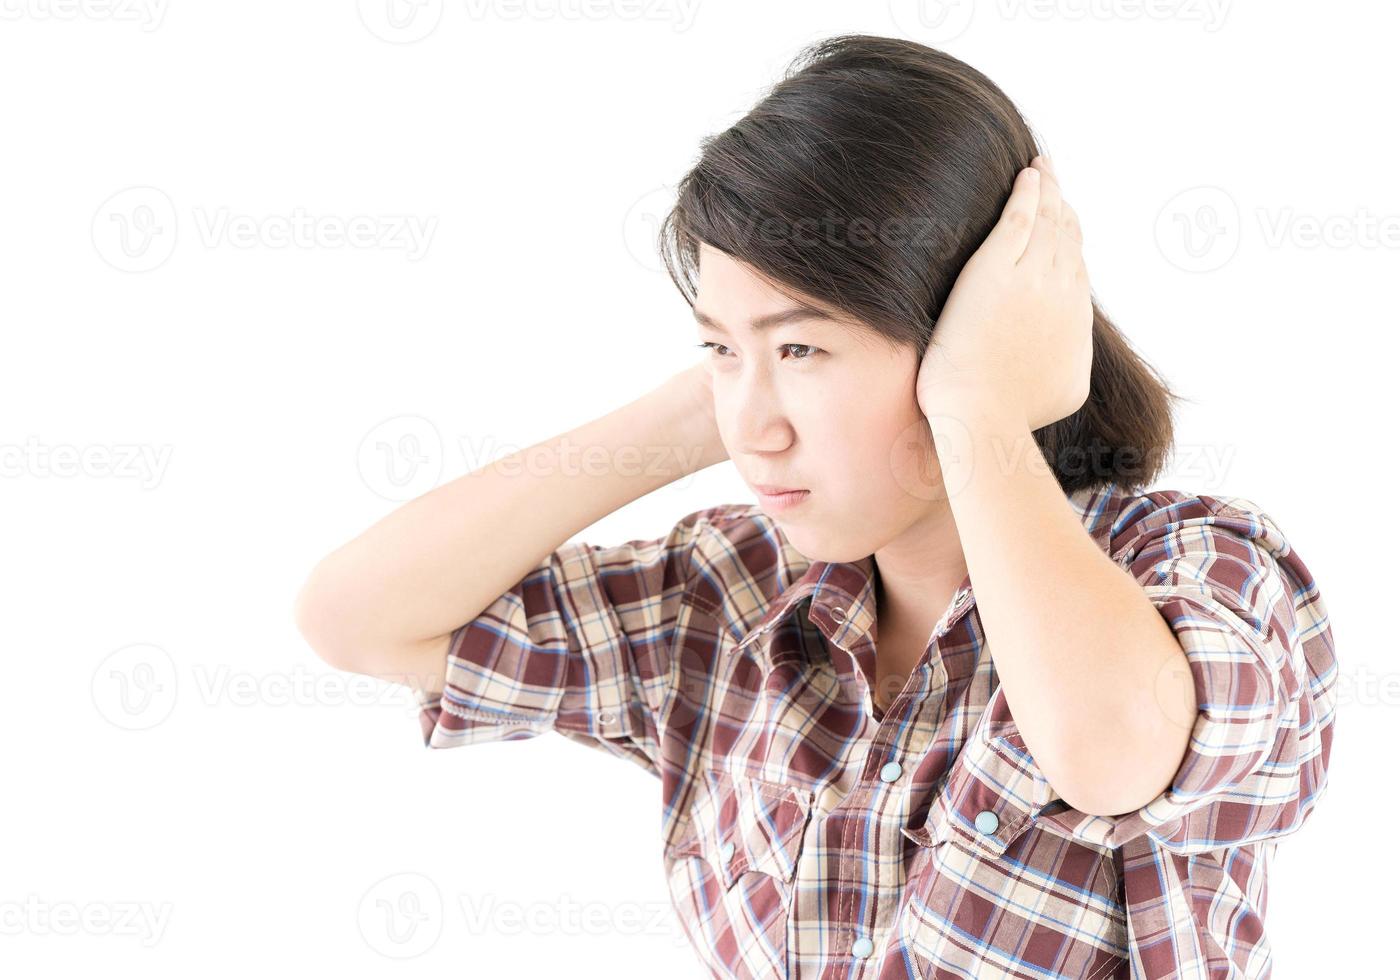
(1255, 632)
(581, 645)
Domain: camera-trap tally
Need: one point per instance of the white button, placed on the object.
(838, 614)
(891, 771)
(987, 822)
(962, 594)
(862, 947)
(605, 719)
(727, 851)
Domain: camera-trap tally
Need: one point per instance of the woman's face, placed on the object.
(819, 404)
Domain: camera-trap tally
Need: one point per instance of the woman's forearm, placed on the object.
(439, 560)
(1089, 667)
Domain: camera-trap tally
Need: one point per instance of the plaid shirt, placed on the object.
(809, 834)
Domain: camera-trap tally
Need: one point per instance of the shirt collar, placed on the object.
(843, 597)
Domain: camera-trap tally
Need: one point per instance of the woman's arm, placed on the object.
(386, 603)
(1012, 353)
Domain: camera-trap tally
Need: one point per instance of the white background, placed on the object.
(256, 815)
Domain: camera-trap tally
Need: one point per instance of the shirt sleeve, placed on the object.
(581, 645)
(1255, 632)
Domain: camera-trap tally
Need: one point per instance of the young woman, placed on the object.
(866, 769)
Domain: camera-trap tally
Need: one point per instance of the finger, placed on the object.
(1040, 253)
(1012, 231)
(1069, 223)
(1050, 168)
(1069, 250)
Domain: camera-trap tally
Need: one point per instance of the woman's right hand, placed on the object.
(700, 440)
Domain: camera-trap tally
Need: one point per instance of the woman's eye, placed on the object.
(808, 349)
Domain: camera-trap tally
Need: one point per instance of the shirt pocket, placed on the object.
(743, 824)
(732, 870)
(964, 882)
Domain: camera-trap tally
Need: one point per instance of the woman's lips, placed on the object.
(784, 500)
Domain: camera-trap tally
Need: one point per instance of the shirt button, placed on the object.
(838, 614)
(862, 947)
(987, 822)
(962, 594)
(727, 851)
(605, 719)
(890, 772)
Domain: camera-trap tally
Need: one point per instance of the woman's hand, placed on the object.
(700, 441)
(1016, 332)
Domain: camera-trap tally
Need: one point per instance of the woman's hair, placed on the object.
(865, 179)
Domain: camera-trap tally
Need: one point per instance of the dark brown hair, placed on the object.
(864, 180)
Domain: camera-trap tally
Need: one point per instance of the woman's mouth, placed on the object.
(777, 499)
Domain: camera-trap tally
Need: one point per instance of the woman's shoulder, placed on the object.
(738, 533)
(739, 556)
(1133, 510)
(727, 517)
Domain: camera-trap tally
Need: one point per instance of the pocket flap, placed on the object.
(744, 823)
(989, 799)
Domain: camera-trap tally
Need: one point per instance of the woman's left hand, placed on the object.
(1016, 334)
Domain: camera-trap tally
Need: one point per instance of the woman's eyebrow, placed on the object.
(768, 321)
